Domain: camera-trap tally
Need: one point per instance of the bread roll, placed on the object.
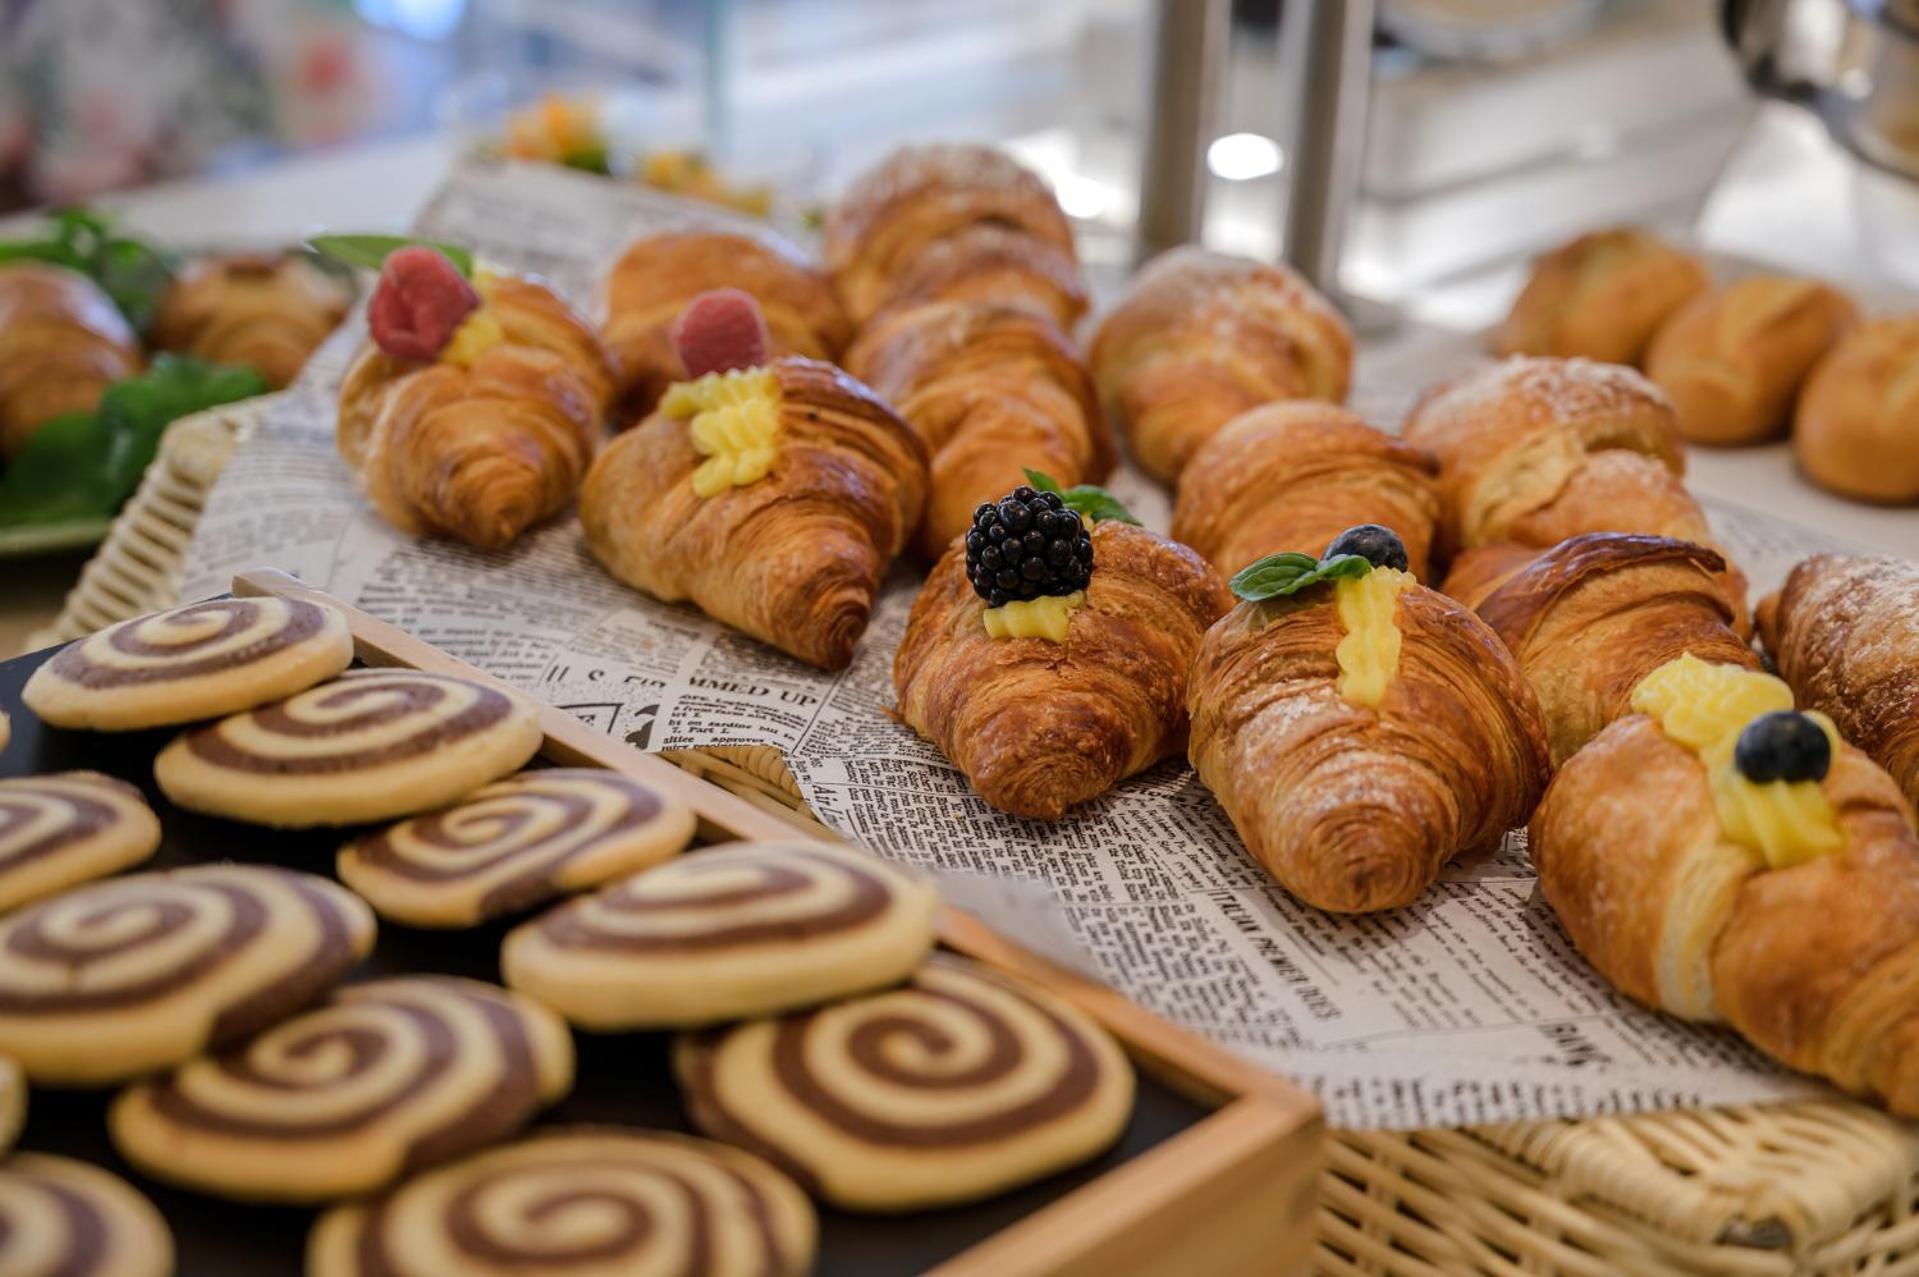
(1857, 431)
(1602, 296)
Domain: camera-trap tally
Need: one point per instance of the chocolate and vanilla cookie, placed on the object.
(739, 930)
(386, 1079)
(119, 978)
(69, 828)
(61, 1217)
(517, 843)
(954, 1087)
(370, 745)
(194, 662)
(591, 1201)
(13, 1103)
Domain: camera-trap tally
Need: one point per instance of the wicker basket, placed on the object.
(1813, 1187)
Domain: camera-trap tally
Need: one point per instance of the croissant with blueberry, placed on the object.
(1720, 856)
(771, 493)
(1360, 729)
(264, 311)
(473, 409)
(62, 343)
(1046, 658)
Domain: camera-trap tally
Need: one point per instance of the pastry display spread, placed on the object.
(1602, 296)
(1844, 632)
(771, 495)
(1854, 431)
(1360, 729)
(62, 830)
(1201, 337)
(267, 311)
(1046, 658)
(65, 1216)
(1294, 475)
(475, 406)
(1016, 1085)
(62, 343)
(735, 931)
(515, 844)
(1721, 856)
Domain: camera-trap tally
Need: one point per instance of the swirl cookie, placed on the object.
(109, 981)
(386, 1079)
(955, 1087)
(516, 844)
(370, 745)
(740, 930)
(56, 831)
(65, 1218)
(194, 662)
(585, 1201)
(13, 1104)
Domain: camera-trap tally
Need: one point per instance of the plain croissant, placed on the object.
(62, 343)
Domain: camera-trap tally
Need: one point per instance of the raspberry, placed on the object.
(721, 330)
(419, 302)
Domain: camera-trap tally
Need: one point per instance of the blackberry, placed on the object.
(1025, 545)
(1379, 546)
(1782, 745)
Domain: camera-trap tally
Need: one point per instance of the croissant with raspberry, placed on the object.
(266, 312)
(475, 407)
(62, 343)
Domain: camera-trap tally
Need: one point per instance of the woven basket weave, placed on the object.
(1821, 1187)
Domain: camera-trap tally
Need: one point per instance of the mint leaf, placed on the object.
(1095, 503)
(130, 271)
(371, 251)
(1278, 575)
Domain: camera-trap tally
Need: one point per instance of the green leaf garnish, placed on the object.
(130, 271)
(1278, 575)
(371, 251)
(1095, 503)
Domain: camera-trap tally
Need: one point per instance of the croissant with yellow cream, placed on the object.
(474, 408)
(1047, 702)
(993, 390)
(1592, 616)
(1294, 476)
(1844, 632)
(1720, 857)
(62, 343)
(268, 312)
(1361, 732)
(657, 276)
(1602, 296)
(1201, 337)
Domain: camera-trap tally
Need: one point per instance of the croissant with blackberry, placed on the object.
(62, 343)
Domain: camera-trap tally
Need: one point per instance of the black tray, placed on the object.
(623, 1078)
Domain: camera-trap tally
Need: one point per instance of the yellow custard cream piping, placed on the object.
(735, 420)
(1045, 617)
(1369, 654)
(1705, 707)
(479, 331)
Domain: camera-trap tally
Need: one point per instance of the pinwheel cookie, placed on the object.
(56, 831)
(59, 1215)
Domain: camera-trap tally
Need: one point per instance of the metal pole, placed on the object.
(1330, 142)
(1188, 50)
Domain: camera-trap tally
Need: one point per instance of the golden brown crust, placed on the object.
(657, 276)
(1037, 726)
(1484, 568)
(1201, 337)
(1816, 964)
(62, 343)
(1353, 808)
(1292, 476)
(919, 195)
(484, 452)
(1733, 359)
(1602, 296)
(1844, 632)
(793, 559)
(268, 312)
(1591, 617)
(1855, 430)
(992, 389)
(990, 263)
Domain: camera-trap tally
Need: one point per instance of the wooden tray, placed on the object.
(1216, 1172)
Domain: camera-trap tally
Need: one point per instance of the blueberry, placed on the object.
(1783, 745)
(1379, 546)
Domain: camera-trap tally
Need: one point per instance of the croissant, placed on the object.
(1791, 914)
(657, 276)
(772, 498)
(992, 389)
(1602, 296)
(1844, 632)
(1201, 337)
(492, 437)
(1041, 724)
(1294, 476)
(1592, 616)
(1853, 433)
(267, 312)
(1361, 734)
(875, 237)
(62, 343)
(992, 263)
